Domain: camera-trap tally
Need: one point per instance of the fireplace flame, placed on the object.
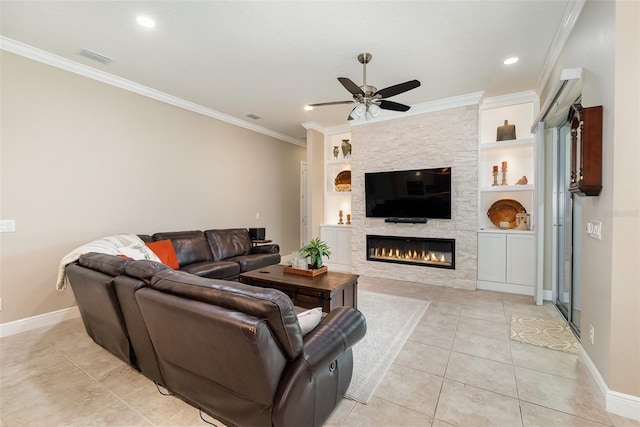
(410, 255)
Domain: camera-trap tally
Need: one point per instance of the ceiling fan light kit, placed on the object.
(369, 99)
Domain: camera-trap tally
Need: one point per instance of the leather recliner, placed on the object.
(235, 351)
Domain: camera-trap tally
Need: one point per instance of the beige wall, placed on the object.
(625, 215)
(605, 44)
(81, 159)
(315, 182)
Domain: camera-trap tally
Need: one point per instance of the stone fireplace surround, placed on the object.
(445, 138)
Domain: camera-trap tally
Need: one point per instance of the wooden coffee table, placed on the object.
(328, 290)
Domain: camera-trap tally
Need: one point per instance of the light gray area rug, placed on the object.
(390, 321)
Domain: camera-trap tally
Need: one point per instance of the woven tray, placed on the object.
(311, 273)
(505, 210)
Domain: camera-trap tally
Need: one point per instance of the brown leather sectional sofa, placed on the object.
(218, 254)
(232, 350)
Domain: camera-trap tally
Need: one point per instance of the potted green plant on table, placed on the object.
(316, 249)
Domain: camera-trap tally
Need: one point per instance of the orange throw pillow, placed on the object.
(166, 252)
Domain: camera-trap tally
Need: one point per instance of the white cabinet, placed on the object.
(521, 260)
(492, 257)
(338, 238)
(506, 261)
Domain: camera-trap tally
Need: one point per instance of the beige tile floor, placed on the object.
(458, 368)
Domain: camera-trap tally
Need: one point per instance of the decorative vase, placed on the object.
(346, 148)
(336, 151)
(506, 132)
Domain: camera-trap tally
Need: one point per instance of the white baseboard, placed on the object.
(29, 323)
(504, 287)
(622, 404)
(547, 295)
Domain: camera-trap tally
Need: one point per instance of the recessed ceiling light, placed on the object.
(145, 21)
(308, 108)
(511, 60)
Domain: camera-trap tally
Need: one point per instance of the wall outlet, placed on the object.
(7, 225)
(592, 333)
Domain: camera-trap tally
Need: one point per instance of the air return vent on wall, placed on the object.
(96, 56)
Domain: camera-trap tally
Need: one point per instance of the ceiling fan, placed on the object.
(369, 98)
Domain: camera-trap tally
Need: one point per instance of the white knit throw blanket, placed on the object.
(122, 244)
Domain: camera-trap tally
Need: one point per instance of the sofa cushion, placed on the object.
(104, 263)
(214, 269)
(143, 269)
(271, 305)
(253, 262)
(145, 238)
(190, 246)
(228, 243)
(165, 251)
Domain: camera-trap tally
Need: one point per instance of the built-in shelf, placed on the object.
(505, 144)
(528, 187)
(506, 258)
(338, 162)
(512, 231)
(335, 201)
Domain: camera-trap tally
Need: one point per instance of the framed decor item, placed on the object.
(586, 150)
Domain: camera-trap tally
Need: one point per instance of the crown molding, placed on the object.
(313, 126)
(425, 107)
(510, 99)
(48, 58)
(568, 22)
(327, 130)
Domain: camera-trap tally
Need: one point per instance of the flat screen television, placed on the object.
(419, 193)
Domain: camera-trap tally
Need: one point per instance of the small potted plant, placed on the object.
(316, 249)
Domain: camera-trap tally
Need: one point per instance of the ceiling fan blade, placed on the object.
(395, 106)
(320, 104)
(397, 89)
(350, 86)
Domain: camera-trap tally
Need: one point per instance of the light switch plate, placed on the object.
(7, 225)
(594, 229)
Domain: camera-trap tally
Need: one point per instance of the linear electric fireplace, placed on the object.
(426, 252)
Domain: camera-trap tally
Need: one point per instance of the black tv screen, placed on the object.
(420, 193)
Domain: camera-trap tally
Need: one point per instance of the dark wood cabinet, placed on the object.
(586, 150)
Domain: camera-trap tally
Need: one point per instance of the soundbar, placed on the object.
(406, 220)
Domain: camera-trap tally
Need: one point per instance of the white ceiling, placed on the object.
(271, 58)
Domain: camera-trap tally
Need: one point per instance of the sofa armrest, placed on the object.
(313, 384)
(340, 330)
(266, 249)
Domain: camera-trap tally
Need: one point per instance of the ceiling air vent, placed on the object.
(96, 56)
(254, 116)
